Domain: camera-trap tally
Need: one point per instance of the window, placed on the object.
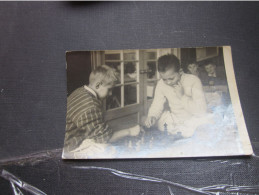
(126, 90)
(137, 70)
(206, 52)
(150, 61)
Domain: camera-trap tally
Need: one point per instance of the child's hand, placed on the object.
(150, 121)
(134, 131)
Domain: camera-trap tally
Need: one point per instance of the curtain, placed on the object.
(97, 59)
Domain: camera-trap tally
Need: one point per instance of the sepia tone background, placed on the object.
(137, 72)
(34, 38)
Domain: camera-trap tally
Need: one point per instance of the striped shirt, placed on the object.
(84, 119)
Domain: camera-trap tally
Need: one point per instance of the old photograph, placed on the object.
(153, 103)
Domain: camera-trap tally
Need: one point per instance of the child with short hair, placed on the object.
(85, 120)
(184, 94)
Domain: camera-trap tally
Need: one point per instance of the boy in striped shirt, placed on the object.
(84, 119)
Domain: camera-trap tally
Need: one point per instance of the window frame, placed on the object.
(122, 83)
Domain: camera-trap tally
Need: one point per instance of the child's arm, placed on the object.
(157, 106)
(133, 131)
(196, 103)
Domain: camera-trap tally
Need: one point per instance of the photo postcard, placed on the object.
(153, 103)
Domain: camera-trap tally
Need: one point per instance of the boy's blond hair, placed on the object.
(104, 74)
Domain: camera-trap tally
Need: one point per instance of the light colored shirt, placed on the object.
(192, 103)
(212, 75)
(90, 90)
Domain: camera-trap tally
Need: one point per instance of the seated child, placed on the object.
(215, 75)
(85, 120)
(184, 95)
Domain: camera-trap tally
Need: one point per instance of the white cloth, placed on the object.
(90, 149)
(192, 103)
(90, 90)
(187, 127)
(212, 75)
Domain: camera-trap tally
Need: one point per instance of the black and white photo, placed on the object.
(153, 103)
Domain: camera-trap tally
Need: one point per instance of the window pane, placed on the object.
(130, 96)
(129, 56)
(152, 70)
(151, 90)
(211, 51)
(114, 100)
(117, 67)
(150, 55)
(112, 56)
(130, 73)
(206, 52)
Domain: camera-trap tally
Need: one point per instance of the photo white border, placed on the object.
(235, 100)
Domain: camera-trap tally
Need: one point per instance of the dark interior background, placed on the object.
(34, 38)
(78, 69)
(188, 56)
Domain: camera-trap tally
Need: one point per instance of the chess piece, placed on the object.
(165, 129)
(178, 135)
(151, 142)
(138, 145)
(130, 144)
(142, 139)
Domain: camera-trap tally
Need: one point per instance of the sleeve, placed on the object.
(93, 123)
(157, 105)
(196, 103)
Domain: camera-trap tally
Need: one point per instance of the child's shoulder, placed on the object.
(80, 94)
(190, 78)
(160, 82)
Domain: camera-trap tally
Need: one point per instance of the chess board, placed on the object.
(148, 141)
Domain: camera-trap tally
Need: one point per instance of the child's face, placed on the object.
(104, 91)
(170, 77)
(210, 68)
(192, 68)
